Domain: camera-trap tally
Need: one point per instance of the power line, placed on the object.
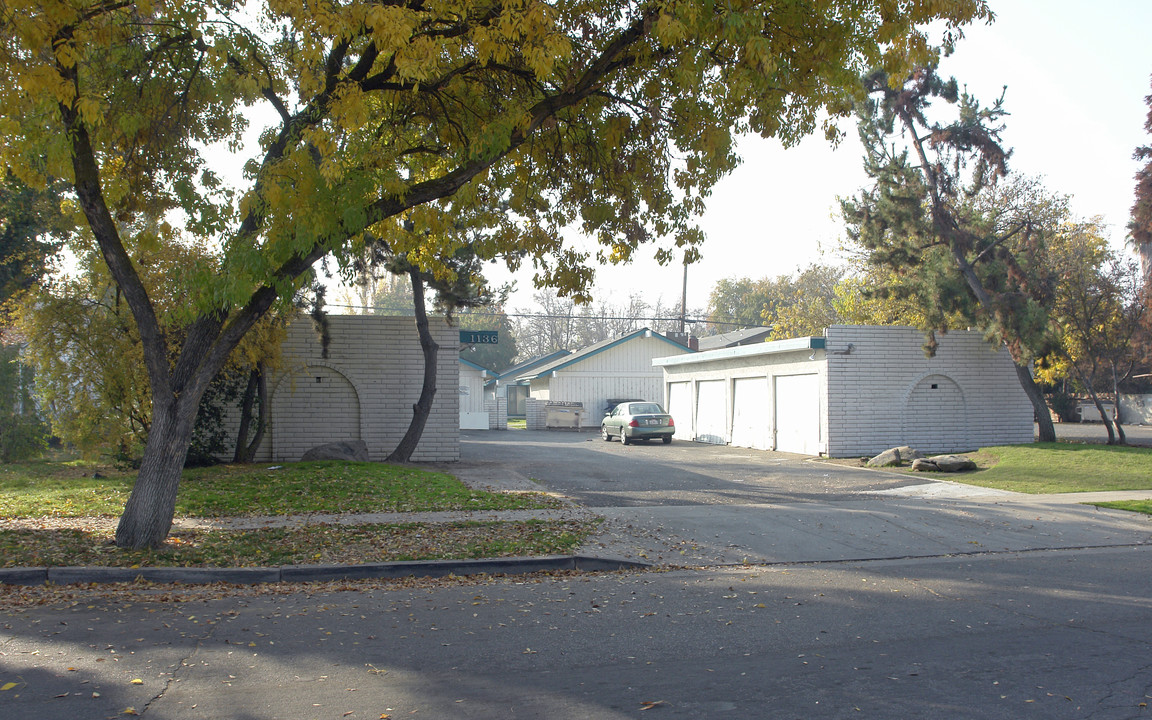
(546, 316)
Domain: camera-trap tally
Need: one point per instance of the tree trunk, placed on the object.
(148, 514)
(423, 406)
(1121, 438)
(1096, 401)
(1045, 430)
(255, 396)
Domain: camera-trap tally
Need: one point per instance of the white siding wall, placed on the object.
(471, 389)
(473, 410)
(880, 395)
(765, 367)
(623, 371)
(1136, 409)
(369, 381)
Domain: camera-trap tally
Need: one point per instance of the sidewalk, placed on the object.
(923, 520)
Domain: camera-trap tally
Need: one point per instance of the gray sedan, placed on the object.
(638, 421)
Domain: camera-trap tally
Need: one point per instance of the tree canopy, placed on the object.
(955, 233)
(1141, 223)
(529, 116)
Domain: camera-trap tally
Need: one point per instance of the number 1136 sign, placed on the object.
(479, 337)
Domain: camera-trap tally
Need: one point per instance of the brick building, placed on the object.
(363, 389)
(855, 391)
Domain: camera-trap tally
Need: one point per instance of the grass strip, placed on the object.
(309, 545)
(1061, 468)
(1140, 506)
(41, 489)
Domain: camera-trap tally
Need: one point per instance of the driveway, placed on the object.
(597, 474)
(690, 504)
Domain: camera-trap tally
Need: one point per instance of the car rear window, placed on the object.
(642, 408)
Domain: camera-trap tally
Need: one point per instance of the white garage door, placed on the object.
(750, 416)
(680, 408)
(711, 412)
(798, 414)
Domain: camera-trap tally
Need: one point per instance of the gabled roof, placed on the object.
(525, 368)
(600, 347)
(474, 366)
(746, 336)
(765, 348)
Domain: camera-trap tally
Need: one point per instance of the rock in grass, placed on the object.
(887, 458)
(895, 456)
(943, 463)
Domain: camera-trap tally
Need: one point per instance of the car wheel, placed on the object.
(623, 438)
(605, 434)
(667, 439)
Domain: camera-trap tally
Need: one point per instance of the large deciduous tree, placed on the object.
(957, 238)
(617, 116)
(1099, 308)
(32, 229)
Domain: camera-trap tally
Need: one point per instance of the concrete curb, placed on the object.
(314, 573)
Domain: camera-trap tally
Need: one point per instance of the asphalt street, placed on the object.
(1050, 634)
(808, 591)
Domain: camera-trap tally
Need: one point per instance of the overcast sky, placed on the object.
(1077, 74)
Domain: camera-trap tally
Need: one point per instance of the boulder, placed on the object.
(887, 458)
(943, 463)
(895, 456)
(350, 451)
(908, 454)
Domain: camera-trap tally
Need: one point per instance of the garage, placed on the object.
(750, 401)
(855, 391)
(797, 412)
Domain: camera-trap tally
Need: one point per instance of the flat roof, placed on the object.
(767, 348)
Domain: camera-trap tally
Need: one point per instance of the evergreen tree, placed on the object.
(958, 239)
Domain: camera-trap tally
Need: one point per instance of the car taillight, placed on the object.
(671, 422)
(633, 424)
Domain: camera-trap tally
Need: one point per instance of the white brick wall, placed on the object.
(535, 413)
(497, 409)
(881, 394)
(367, 386)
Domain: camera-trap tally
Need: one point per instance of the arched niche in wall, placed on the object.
(935, 415)
(311, 406)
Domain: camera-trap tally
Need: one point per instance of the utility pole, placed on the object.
(684, 298)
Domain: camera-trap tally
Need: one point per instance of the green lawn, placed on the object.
(1061, 468)
(59, 489)
(85, 490)
(309, 545)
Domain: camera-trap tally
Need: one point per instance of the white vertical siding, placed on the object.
(622, 371)
(471, 389)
